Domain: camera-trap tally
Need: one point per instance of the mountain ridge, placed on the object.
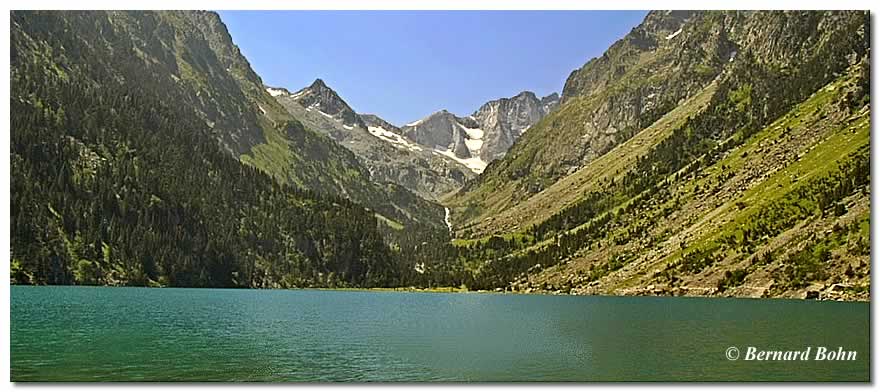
(442, 142)
(647, 201)
(647, 69)
(126, 136)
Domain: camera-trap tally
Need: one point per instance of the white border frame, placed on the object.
(386, 5)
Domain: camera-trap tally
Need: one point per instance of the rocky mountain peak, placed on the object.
(318, 84)
(525, 95)
(504, 120)
(441, 130)
(551, 99)
(441, 113)
(485, 135)
(664, 22)
(657, 28)
(550, 103)
(318, 96)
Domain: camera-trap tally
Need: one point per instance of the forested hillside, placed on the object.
(122, 128)
(190, 57)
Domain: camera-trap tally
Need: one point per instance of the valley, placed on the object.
(705, 153)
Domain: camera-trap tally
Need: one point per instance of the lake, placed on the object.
(143, 334)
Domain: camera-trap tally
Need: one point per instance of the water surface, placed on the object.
(142, 334)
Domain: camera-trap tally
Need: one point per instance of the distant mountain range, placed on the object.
(433, 156)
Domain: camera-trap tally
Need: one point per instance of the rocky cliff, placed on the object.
(504, 120)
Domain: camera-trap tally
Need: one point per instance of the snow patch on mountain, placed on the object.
(474, 139)
(476, 164)
(473, 145)
(325, 114)
(275, 92)
(393, 138)
(473, 133)
(675, 34)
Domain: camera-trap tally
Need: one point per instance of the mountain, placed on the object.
(504, 120)
(663, 63)
(323, 99)
(704, 153)
(431, 157)
(372, 120)
(192, 55)
(485, 135)
(195, 51)
(639, 78)
(126, 132)
(379, 146)
(455, 137)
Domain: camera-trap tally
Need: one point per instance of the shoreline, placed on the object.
(454, 290)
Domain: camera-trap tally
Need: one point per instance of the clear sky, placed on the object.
(404, 65)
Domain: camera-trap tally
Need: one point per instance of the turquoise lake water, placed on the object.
(142, 334)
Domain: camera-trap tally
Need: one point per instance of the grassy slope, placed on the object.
(806, 143)
(533, 153)
(570, 189)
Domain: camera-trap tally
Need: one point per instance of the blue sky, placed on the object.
(404, 65)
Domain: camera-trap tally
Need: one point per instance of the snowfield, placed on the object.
(477, 165)
(473, 145)
(393, 138)
(473, 133)
(474, 140)
(414, 123)
(675, 34)
(274, 92)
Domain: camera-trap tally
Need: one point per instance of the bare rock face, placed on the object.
(658, 28)
(549, 103)
(505, 119)
(441, 131)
